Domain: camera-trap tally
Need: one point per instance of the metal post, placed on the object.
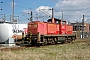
(53, 16)
(12, 10)
(31, 16)
(62, 15)
(4, 17)
(83, 27)
(10, 18)
(52, 13)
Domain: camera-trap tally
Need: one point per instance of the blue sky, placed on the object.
(72, 9)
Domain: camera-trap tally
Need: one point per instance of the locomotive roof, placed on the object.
(56, 20)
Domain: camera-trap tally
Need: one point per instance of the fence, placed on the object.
(85, 34)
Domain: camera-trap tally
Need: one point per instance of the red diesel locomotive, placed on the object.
(51, 32)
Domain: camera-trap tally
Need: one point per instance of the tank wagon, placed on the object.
(7, 31)
(51, 32)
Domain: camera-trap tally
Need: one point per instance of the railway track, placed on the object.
(27, 46)
(11, 48)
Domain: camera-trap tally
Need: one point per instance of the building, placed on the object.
(78, 29)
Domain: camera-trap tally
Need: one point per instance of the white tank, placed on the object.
(5, 31)
(9, 30)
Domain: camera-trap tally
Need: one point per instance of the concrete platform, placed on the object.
(7, 45)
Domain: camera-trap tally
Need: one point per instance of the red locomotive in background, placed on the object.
(53, 31)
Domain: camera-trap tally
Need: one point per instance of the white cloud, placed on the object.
(44, 10)
(73, 10)
(73, 4)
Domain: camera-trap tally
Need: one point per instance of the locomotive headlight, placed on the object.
(27, 38)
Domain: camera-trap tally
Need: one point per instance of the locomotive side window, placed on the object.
(63, 23)
(57, 22)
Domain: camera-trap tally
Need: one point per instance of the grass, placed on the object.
(77, 51)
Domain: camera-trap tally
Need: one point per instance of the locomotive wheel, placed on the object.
(53, 41)
(44, 42)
